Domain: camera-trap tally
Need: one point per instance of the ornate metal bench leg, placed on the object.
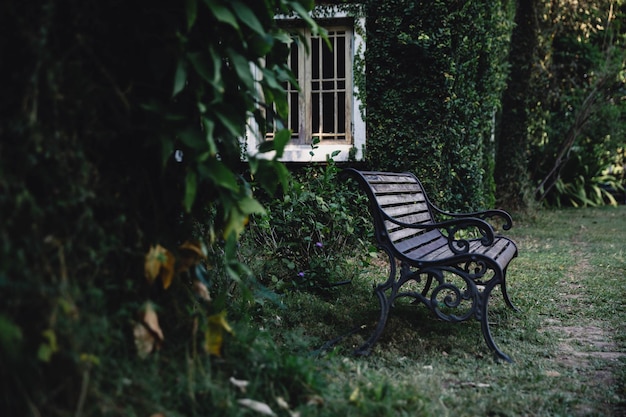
(505, 294)
(385, 306)
(484, 324)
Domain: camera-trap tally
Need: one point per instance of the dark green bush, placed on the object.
(435, 73)
(311, 233)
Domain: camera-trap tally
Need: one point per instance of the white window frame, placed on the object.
(299, 148)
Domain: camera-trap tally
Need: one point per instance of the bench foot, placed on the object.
(385, 306)
(507, 299)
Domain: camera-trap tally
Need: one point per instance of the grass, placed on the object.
(568, 342)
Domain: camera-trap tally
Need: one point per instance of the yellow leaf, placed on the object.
(167, 269)
(214, 335)
(159, 262)
(355, 395)
(89, 359)
(48, 348)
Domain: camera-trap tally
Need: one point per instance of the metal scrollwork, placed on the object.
(453, 298)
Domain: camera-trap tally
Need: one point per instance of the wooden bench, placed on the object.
(450, 262)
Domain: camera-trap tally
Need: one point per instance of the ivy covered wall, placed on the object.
(435, 74)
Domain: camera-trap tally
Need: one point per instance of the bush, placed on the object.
(435, 74)
(311, 233)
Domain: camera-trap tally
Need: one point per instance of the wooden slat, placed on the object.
(420, 245)
(406, 209)
(397, 199)
(396, 188)
(403, 233)
(382, 178)
(415, 218)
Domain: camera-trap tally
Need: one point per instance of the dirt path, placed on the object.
(582, 345)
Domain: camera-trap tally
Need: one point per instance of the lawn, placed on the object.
(568, 342)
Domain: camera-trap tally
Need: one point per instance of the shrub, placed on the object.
(310, 233)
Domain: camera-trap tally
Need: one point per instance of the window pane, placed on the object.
(341, 114)
(315, 58)
(328, 61)
(315, 113)
(293, 57)
(293, 113)
(328, 112)
(341, 56)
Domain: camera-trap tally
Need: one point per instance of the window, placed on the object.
(326, 107)
(323, 107)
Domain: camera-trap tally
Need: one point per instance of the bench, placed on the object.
(450, 262)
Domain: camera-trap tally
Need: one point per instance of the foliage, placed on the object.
(120, 132)
(310, 235)
(581, 184)
(435, 74)
(572, 93)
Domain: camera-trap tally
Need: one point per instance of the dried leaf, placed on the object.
(214, 335)
(315, 400)
(195, 247)
(257, 406)
(148, 334)
(282, 403)
(151, 320)
(167, 270)
(239, 383)
(152, 263)
(190, 254)
(201, 290)
(144, 341)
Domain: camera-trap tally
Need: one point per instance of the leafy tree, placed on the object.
(121, 126)
(565, 93)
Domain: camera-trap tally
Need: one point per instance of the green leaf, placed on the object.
(235, 128)
(167, 147)
(246, 15)
(219, 174)
(191, 7)
(191, 188)
(249, 205)
(209, 67)
(180, 78)
(193, 138)
(10, 337)
(304, 14)
(242, 67)
(209, 128)
(266, 146)
(270, 78)
(281, 138)
(222, 13)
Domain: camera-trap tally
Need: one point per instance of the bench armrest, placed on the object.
(483, 215)
(452, 227)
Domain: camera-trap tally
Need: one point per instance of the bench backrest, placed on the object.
(401, 197)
